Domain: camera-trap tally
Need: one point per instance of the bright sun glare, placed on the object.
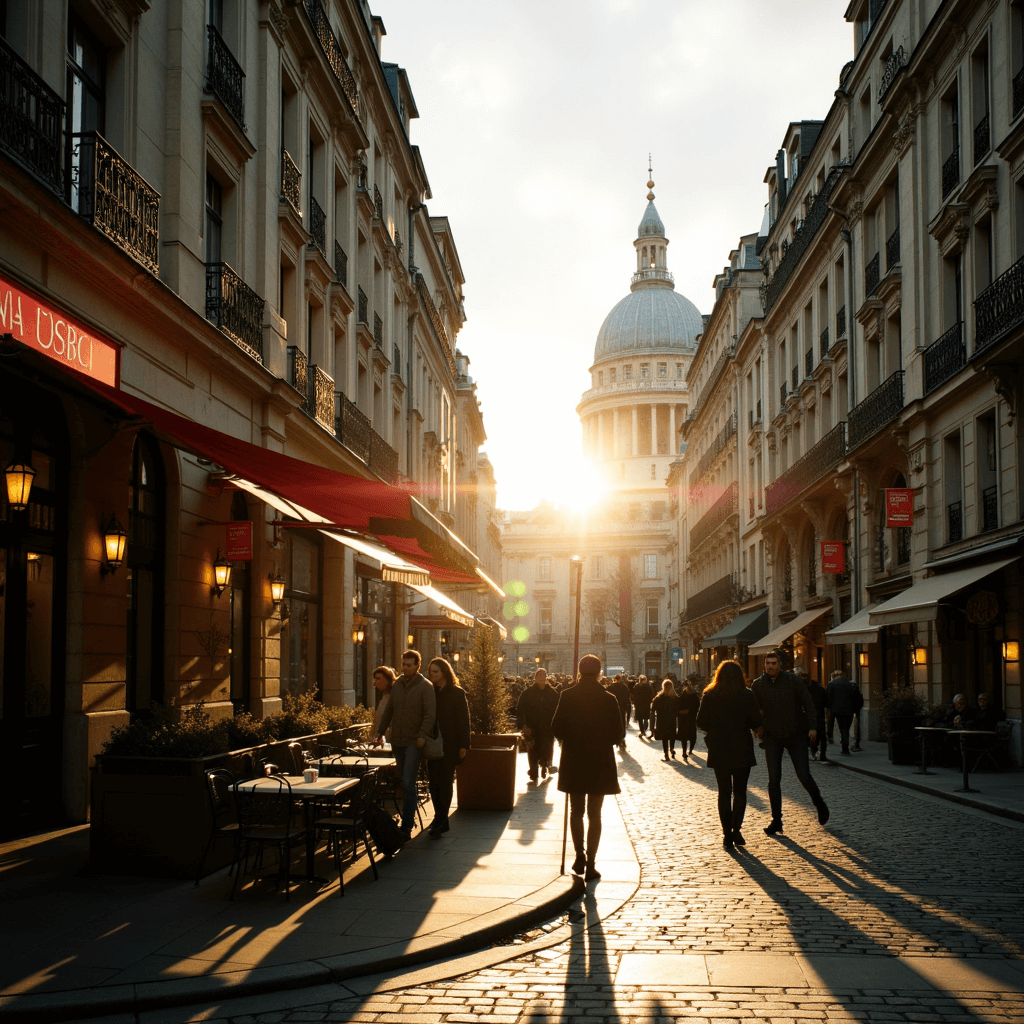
(577, 484)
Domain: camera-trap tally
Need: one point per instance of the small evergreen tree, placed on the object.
(489, 698)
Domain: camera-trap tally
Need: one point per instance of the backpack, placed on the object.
(386, 835)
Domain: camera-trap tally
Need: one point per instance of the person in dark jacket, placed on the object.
(843, 700)
(665, 709)
(985, 715)
(728, 715)
(535, 710)
(785, 708)
(689, 703)
(818, 698)
(588, 724)
(620, 691)
(643, 694)
(453, 721)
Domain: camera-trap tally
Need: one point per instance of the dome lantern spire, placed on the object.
(651, 243)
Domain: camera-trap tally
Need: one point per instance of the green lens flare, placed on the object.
(520, 634)
(521, 609)
(509, 610)
(515, 588)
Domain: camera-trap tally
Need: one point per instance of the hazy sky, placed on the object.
(536, 118)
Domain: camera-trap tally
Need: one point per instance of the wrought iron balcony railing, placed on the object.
(726, 506)
(943, 358)
(809, 362)
(320, 398)
(235, 308)
(955, 521)
(340, 264)
(109, 193)
(716, 446)
(332, 51)
(990, 508)
(982, 139)
(841, 323)
(1000, 307)
(298, 372)
(362, 311)
(31, 120)
(823, 346)
(291, 183)
(317, 226)
(893, 66)
(378, 204)
(815, 463)
(1018, 92)
(224, 76)
(878, 410)
(951, 172)
(872, 274)
(352, 427)
(892, 250)
(720, 594)
(758, 420)
(378, 330)
(383, 459)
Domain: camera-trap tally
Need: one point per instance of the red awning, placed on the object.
(390, 514)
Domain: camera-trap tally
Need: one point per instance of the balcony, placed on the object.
(893, 66)
(990, 509)
(951, 172)
(320, 400)
(361, 306)
(716, 446)
(355, 431)
(782, 396)
(823, 343)
(383, 459)
(31, 120)
(235, 309)
(841, 323)
(109, 193)
(955, 521)
(720, 512)
(872, 275)
(943, 358)
(892, 250)
(720, 594)
(332, 51)
(651, 274)
(758, 419)
(298, 372)
(1000, 307)
(809, 362)
(224, 76)
(796, 377)
(878, 410)
(291, 183)
(1018, 92)
(378, 204)
(982, 139)
(341, 264)
(317, 226)
(807, 470)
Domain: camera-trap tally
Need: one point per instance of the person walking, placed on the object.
(535, 710)
(844, 700)
(620, 691)
(589, 725)
(665, 709)
(410, 716)
(689, 704)
(383, 681)
(453, 723)
(643, 694)
(785, 707)
(728, 715)
(818, 698)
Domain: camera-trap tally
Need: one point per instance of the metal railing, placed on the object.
(383, 458)
(31, 120)
(982, 139)
(823, 343)
(109, 193)
(726, 506)
(808, 469)
(340, 264)
(710, 384)
(291, 183)
(378, 204)
(378, 330)
(955, 521)
(893, 66)
(651, 274)
(235, 308)
(352, 427)
(317, 226)
(720, 441)
(298, 373)
(332, 51)
(1000, 307)
(809, 362)
(783, 389)
(758, 420)
(320, 401)
(1018, 92)
(943, 358)
(647, 384)
(841, 323)
(878, 410)
(362, 310)
(892, 250)
(720, 594)
(951, 172)
(990, 508)
(796, 377)
(872, 274)
(904, 544)
(224, 76)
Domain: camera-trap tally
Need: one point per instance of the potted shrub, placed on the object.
(900, 710)
(486, 780)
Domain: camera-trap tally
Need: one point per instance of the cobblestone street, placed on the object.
(806, 926)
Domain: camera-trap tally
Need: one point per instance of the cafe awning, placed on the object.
(451, 609)
(920, 603)
(392, 568)
(787, 629)
(744, 629)
(855, 630)
(441, 622)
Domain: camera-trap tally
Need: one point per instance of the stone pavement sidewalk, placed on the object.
(79, 945)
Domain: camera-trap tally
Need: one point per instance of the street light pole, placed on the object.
(578, 563)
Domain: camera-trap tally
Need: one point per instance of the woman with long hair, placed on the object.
(383, 680)
(453, 722)
(728, 714)
(664, 710)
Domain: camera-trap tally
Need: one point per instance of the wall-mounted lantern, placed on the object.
(276, 588)
(19, 484)
(1011, 650)
(862, 659)
(115, 539)
(221, 574)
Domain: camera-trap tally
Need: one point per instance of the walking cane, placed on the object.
(578, 563)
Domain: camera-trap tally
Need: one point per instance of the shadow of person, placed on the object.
(589, 975)
(631, 766)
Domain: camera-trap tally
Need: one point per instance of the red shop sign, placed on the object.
(899, 506)
(238, 541)
(58, 336)
(833, 556)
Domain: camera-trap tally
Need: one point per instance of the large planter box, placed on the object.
(486, 780)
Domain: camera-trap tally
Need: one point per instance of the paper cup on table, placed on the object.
(310, 775)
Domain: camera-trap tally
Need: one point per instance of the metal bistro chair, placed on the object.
(994, 752)
(352, 822)
(265, 817)
(223, 820)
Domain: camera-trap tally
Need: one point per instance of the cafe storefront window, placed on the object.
(375, 613)
(300, 615)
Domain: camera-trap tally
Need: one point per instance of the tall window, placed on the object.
(214, 219)
(86, 91)
(952, 477)
(300, 616)
(545, 620)
(653, 619)
(544, 568)
(650, 567)
(596, 563)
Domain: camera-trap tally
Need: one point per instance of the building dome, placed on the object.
(648, 319)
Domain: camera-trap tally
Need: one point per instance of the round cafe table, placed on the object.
(963, 733)
(924, 730)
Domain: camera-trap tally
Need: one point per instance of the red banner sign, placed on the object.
(899, 506)
(58, 336)
(833, 556)
(238, 541)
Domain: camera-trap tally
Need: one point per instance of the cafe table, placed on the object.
(963, 734)
(924, 730)
(310, 793)
(346, 761)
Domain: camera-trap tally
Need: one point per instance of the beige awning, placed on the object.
(785, 631)
(451, 609)
(920, 603)
(393, 568)
(855, 630)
